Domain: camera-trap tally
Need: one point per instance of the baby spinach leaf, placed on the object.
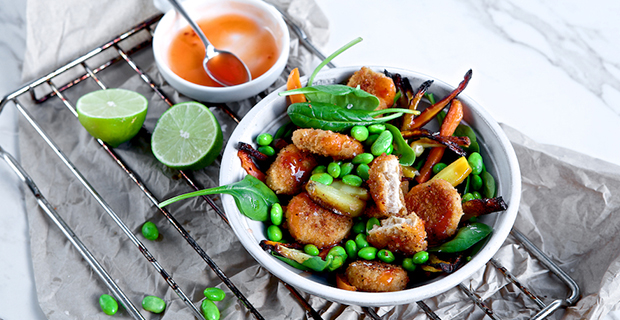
(401, 147)
(253, 198)
(465, 238)
(338, 94)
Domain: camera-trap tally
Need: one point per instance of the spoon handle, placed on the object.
(177, 6)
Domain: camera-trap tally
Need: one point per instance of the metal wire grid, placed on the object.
(125, 55)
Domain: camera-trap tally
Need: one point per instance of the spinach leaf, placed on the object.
(327, 116)
(465, 238)
(253, 198)
(466, 131)
(401, 147)
(338, 94)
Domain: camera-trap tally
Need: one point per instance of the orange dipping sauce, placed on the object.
(254, 44)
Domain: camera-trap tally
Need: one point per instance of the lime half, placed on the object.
(112, 115)
(187, 136)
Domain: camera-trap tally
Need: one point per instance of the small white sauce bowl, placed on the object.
(172, 23)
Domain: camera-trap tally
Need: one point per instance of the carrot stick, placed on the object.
(452, 120)
(293, 82)
(408, 119)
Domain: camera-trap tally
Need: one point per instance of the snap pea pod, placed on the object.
(465, 238)
(327, 116)
(488, 183)
(401, 147)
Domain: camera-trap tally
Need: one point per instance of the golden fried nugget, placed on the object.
(384, 183)
(406, 235)
(375, 83)
(291, 169)
(376, 276)
(327, 143)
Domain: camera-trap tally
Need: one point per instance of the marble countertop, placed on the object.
(549, 70)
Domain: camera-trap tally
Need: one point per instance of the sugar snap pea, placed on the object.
(406, 155)
(465, 238)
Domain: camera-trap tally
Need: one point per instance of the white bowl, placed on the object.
(172, 23)
(499, 157)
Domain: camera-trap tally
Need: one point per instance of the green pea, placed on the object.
(150, 231)
(345, 169)
(476, 195)
(210, 310)
(333, 169)
(408, 264)
(108, 304)
(420, 257)
(361, 242)
(337, 251)
(352, 180)
(362, 171)
(371, 223)
(274, 233)
(475, 162)
(319, 169)
(376, 128)
(359, 227)
(323, 178)
(467, 197)
(386, 256)
(382, 143)
(214, 294)
(476, 182)
(267, 150)
(153, 304)
(367, 253)
(311, 250)
(276, 213)
(360, 133)
(438, 167)
(371, 139)
(365, 158)
(264, 139)
(351, 247)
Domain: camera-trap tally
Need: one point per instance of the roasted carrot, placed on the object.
(293, 82)
(408, 119)
(452, 120)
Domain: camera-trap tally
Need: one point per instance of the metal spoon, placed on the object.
(222, 66)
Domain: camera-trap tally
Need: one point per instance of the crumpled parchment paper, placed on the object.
(569, 206)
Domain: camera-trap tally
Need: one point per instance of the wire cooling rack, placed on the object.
(80, 66)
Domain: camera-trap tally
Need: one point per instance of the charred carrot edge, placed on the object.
(293, 82)
(431, 111)
(250, 167)
(409, 119)
(452, 120)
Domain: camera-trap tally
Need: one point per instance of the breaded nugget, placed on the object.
(438, 203)
(406, 235)
(327, 143)
(376, 276)
(375, 83)
(384, 183)
(310, 223)
(291, 169)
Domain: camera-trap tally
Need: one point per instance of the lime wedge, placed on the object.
(187, 136)
(112, 115)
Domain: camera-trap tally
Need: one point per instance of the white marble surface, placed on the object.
(549, 69)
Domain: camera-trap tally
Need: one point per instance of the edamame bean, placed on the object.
(351, 247)
(276, 213)
(333, 169)
(359, 227)
(376, 128)
(371, 139)
(367, 253)
(153, 304)
(386, 256)
(345, 169)
(420, 257)
(311, 250)
(438, 167)
(467, 197)
(390, 149)
(108, 304)
(360, 133)
(381, 145)
(408, 264)
(214, 294)
(264, 139)
(361, 242)
(267, 150)
(352, 180)
(274, 233)
(476, 195)
(476, 182)
(371, 223)
(364, 158)
(319, 169)
(362, 171)
(210, 310)
(323, 178)
(150, 231)
(475, 162)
